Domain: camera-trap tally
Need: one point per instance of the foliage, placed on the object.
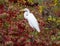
(15, 30)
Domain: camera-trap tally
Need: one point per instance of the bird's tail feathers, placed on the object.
(38, 29)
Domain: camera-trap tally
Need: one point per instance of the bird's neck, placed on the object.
(27, 12)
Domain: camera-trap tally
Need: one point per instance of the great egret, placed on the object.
(31, 19)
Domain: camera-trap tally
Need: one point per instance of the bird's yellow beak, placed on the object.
(22, 10)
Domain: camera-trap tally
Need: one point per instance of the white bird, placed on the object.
(31, 19)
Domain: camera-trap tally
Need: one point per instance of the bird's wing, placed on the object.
(31, 24)
(33, 20)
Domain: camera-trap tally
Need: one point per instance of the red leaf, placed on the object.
(1, 8)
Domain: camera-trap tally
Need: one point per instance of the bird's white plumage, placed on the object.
(31, 19)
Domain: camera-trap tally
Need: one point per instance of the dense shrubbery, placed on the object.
(15, 31)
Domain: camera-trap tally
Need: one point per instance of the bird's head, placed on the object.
(26, 14)
(25, 10)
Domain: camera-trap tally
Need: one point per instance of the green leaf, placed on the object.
(50, 18)
(58, 20)
(40, 1)
(54, 19)
(31, 1)
(20, 17)
(46, 28)
(1, 1)
(58, 37)
(6, 25)
(3, 16)
(58, 33)
(53, 38)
